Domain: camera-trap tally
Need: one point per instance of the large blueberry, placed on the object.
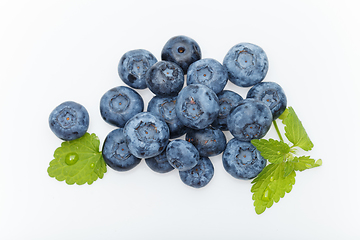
(200, 175)
(209, 72)
(242, 160)
(159, 163)
(272, 95)
(247, 64)
(228, 100)
(197, 106)
(164, 107)
(119, 104)
(69, 121)
(165, 79)
(146, 135)
(116, 153)
(181, 50)
(133, 66)
(208, 141)
(251, 119)
(182, 155)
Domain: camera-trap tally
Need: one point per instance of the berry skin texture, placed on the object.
(181, 50)
(119, 104)
(69, 121)
(182, 155)
(133, 66)
(200, 175)
(251, 119)
(209, 141)
(159, 163)
(146, 135)
(164, 107)
(197, 106)
(116, 153)
(209, 72)
(272, 95)
(242, 160)
(165, 79)
(228, 100)
(247, 64)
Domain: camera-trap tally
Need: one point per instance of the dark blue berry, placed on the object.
(119, 104)
(197, 106)
(146, 135)
(251, 119)
(242, 160)
(69, 121)
(247, 64)
(116, 153)
(208, 72)
(182, 155)
(181, 50)
(159, 163)
(133, 66)
(200, 175)
(272, 95)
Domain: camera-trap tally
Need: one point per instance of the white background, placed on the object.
(55, 51)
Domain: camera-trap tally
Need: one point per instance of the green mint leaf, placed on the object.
(271, 185)
(305, 162)
(272, 150)
(295, 132)
(78, 161)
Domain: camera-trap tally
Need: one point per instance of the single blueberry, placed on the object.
(247, 64)
(116, 153)
(133, 66)
(181, 50)
(165, 79)
(251, 119)
(208, 141)
(164, 107)
(272, 95)
(146, 135)
(200, 175)
(228, 100)
(182, 155)
(69, 121)
(159, 163)
(209, 72)
(197, 106)
(119, 104)
(242, 160)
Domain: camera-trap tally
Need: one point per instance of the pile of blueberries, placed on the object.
(202, 110)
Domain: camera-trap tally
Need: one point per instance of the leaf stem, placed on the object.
(278, 131)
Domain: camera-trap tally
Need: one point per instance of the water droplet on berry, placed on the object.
(71, 158)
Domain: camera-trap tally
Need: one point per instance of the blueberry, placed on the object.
(182, 155)
(251, 119)
(69, 121)
(119, 104)
(181, 50)
(146, 135)
(209, 141)
(133, 66)
(200, 175)
(242, 160)
(247, 64)
(164, 107)
(209, 72)
(197, 106)
(116, 153)
(159, 163)
(165, 79)
(272, 95)
(228, 100)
